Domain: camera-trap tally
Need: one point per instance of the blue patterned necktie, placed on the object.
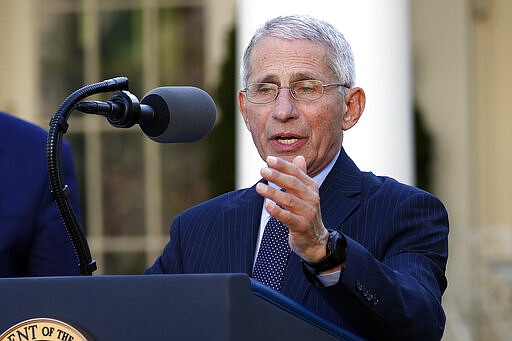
(272, 255)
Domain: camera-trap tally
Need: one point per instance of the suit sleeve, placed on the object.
(398, 286)
(170, 261)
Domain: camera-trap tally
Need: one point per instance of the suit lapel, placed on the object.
(241, 223)
(339, 193)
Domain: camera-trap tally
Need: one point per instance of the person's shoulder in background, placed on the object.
(33, 238)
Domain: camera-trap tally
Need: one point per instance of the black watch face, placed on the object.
(338, 247)
(335, 253)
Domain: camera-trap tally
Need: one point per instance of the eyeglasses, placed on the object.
(306, 90)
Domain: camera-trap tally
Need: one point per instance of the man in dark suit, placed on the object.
(33, 238)
(368, 253)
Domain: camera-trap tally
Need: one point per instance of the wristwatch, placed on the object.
(336, 254)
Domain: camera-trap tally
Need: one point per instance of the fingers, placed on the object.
(291, 176)
(286, 207)
(299, 202)
(300, 162)
(298, 206)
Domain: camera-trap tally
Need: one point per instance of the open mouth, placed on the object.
(287, 140)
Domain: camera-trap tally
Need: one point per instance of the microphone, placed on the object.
(165, 114)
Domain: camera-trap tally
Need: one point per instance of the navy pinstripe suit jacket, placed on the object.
(397, 251)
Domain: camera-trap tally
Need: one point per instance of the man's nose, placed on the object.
(284, 106)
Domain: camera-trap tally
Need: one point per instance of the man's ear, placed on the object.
(242, 105)
(355, 100)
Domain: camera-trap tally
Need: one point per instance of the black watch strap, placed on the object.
(336, 254)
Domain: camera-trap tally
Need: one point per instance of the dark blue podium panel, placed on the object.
(163, 307)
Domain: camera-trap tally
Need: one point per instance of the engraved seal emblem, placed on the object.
(44, 329)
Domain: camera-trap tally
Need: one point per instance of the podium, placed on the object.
(164, 307)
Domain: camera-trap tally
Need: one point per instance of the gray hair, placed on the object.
(339, 54)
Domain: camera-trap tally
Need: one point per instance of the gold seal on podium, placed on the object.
(44, 329)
